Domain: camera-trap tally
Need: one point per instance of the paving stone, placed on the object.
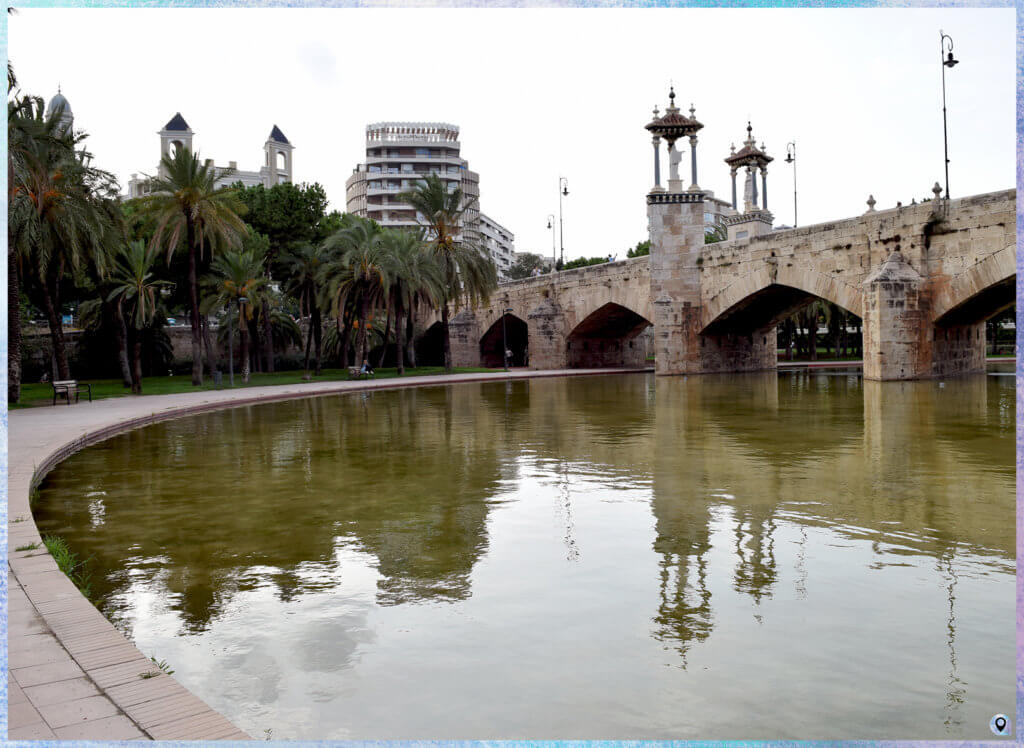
(66, 713)
(20, 715)
(43, 649)
(117, 727)
(65, 690)
(51, 672)
(35, 731)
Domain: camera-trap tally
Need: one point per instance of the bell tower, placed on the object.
(175, 136)
(278, 158)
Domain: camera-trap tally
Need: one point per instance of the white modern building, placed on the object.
(499, 243)
(176, 134)
(398, 155)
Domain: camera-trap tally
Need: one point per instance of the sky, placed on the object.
(544, 93)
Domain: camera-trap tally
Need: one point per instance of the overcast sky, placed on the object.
(545, 93)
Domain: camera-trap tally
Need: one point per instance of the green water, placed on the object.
(801, 555)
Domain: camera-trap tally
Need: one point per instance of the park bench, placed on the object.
(355, 372)
(67, 387)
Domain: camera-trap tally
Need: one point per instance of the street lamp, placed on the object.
(504, 340)
(791, 159)
(947, 62)
(563, 191)
(551, 225)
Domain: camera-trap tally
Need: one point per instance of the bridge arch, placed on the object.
(766, 296)
(515, 334)
(979, 292)
(609, 336)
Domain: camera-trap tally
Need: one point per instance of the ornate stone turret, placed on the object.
(754, 219)
(672, 126)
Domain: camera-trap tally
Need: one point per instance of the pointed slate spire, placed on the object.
(177, 123)
(277, 136)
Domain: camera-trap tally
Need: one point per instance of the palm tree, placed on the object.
(468, 273)
(305, 265)
(134, 283)
(187, 203)
(360, 274)
(414, 275)
(237, 278)
(60, 215)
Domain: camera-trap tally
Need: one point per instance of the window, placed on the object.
(422, 153)
(407, 168)
(375, 170)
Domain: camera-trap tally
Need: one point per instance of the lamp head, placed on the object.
(950, 61)
(789, 158)
(565, 191)
(549, 223)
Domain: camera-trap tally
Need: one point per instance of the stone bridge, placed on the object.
(923, 278)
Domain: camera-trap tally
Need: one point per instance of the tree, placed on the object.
(642, 249)
(135, 285)
(582, 262)
(187, 204)
(716, 234)
(467, 271)
(360, 273)
(236, 281)
(60, 212)
(413, 276)
(305, 274)
(525, 264)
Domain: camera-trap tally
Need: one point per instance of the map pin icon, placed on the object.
(1000, 724)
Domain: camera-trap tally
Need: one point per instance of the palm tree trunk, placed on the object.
(137, 363)
(364, 312)
(13, 324)
(193, 297)
(447, 339)
(243, 334)
(51, 302)
(122, 346)
(309, 342)
(212, 357)
(268, 338)
(384, 348)
(318, 337)
(399, 344)
(410, 338)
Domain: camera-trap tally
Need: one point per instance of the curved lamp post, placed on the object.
(791, 159)
(563, 191)
(947, 62)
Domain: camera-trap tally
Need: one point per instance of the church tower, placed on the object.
(60, 106)
(278, 158)
(175, 136)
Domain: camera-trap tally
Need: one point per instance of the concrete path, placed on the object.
(72, 675)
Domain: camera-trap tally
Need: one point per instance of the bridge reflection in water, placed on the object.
(604, 557)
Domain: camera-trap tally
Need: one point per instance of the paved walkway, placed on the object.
(72, 675)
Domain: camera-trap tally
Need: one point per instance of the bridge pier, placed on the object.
(464, 331)
(547, 331)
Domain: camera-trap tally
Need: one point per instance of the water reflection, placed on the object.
(508, 546)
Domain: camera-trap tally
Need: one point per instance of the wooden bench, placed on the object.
(67, 387)
(355, 372)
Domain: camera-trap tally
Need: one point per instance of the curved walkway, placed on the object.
(72, 675)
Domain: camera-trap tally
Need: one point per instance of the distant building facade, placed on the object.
(176, 134)
(499, 243)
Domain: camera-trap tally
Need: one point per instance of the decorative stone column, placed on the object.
(464, 330)
(693, 161)
(732, 173)
(546, 329)
(657, 163)
(764, 188)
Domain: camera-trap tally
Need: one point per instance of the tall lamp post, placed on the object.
(551, 225)
(504, 340)
(563, 191)
(791, 159)
(947, 62)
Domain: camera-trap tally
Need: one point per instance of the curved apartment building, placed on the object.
(398, 154)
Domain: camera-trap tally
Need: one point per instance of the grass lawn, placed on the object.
(33, 395)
